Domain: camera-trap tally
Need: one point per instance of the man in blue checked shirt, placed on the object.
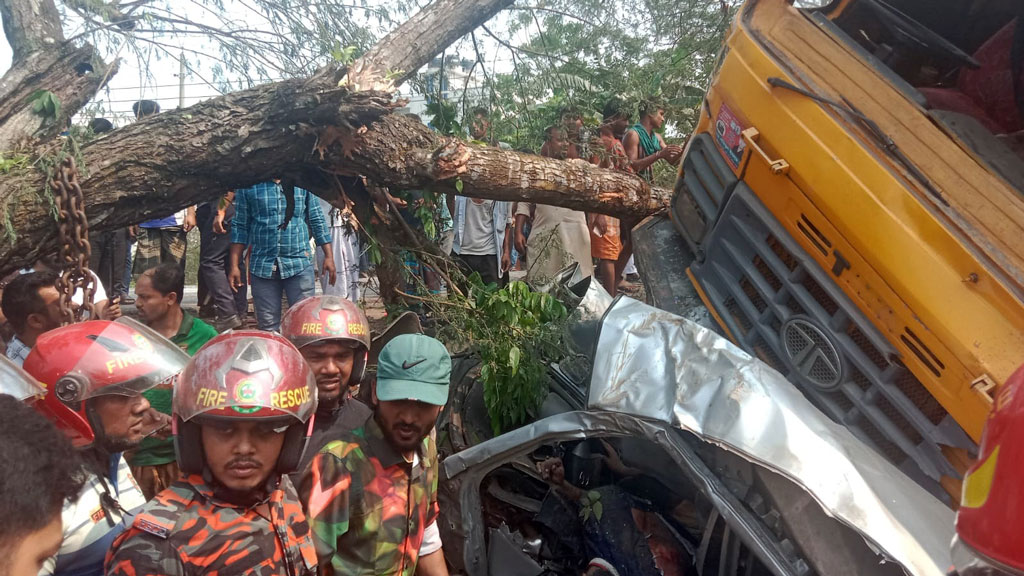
(281, 260)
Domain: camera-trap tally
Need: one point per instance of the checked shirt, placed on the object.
(259, 213)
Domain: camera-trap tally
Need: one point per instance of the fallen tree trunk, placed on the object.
(493, 173)
(337, 122)
(181, 158)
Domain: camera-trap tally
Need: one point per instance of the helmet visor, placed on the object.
(969, 562)
(17, 382)
(127, 358)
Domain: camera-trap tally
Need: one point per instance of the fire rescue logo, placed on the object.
(245, 393)
(335, 324)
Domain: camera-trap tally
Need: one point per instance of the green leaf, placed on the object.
(598, 509)
(513, 359)
(45, 104)
(459, 185)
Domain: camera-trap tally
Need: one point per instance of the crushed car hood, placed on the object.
(654, 364)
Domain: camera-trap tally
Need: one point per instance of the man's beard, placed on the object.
(399, 444)
(115, 445)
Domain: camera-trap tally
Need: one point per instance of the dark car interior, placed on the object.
(625, 509)
(569, 508)
(622, 500)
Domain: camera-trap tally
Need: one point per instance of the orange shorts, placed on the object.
(608, 246)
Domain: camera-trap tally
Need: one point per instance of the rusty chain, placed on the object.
(74, 248)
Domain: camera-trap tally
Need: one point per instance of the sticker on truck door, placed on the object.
(728, 134)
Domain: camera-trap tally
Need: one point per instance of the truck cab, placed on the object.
(850, 209)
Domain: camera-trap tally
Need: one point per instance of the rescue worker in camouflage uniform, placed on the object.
(242, 412)
(333, 335)
(371, 496)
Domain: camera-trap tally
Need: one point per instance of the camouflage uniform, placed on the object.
(187, 530)
(368, 507)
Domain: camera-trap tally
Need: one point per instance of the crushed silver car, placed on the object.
(684, 455)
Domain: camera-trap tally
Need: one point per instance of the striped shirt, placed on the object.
(259, 211)
(88, 531)
(17, 351)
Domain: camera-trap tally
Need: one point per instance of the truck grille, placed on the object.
(780, 304)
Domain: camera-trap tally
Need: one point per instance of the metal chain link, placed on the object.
(74, 248)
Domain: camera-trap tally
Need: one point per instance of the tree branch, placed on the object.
(409, 47)
(304, 129)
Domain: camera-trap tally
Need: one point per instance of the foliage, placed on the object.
(234, 44)
(12, 161)
(45, 104)
(580, 53)
(518, 336)
(343, 56)
(444, 117)
(590, 505)
(513, 330)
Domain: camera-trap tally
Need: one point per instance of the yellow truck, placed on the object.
(851, 201)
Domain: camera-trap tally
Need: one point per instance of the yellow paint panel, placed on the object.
(978, 483)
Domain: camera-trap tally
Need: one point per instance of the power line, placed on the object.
(146, 87)
(204, 97)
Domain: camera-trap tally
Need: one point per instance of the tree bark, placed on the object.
(307, 130)
(30, 26)
(73, 74)
(422, 159)
(429, 31)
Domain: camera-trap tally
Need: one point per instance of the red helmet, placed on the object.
(18, 383)
(320, 318)
(244, 375)
(97, 358)
(987, 540)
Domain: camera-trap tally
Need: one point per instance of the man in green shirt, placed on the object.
(158, 294)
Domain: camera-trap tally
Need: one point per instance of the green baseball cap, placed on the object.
(414, 367)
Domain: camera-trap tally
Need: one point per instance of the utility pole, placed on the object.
(181, 80)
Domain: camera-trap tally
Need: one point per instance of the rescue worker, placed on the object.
(95, 373)
(987, 542)
(371, 496)
(242, 410)
(333, 335)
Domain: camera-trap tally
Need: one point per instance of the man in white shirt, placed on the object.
(481, 241)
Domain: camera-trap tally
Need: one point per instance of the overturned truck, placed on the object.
(849, 210)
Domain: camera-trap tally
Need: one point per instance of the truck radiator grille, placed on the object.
(779, 304)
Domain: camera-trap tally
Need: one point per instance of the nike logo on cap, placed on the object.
(406, 365)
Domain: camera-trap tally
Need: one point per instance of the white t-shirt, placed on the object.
(99, 294)
(478, 233)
